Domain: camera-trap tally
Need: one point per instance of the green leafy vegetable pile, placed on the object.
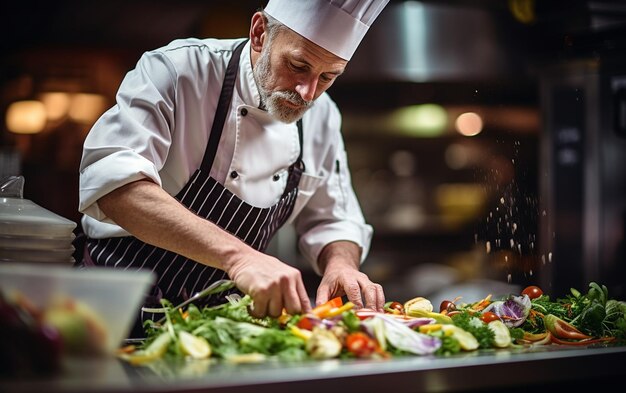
(336, 330)
(593, 313)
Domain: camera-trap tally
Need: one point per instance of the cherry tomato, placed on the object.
(360, 344)
(488, 316)
(395, 307)
(532, 291)
(447, 305)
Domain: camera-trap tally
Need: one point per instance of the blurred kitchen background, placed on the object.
(487, 138)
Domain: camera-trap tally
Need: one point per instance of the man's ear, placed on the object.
(257, 31)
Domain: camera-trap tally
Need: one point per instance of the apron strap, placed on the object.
(299, 162)
(297, 168)
(223, 105)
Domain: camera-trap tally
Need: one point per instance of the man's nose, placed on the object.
(306, 88)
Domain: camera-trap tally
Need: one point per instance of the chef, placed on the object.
(213, 145)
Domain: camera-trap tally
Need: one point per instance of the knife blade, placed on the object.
(216, 287)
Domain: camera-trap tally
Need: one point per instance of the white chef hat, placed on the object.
(336, 25)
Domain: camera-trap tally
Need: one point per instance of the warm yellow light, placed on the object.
(57, 104)
(469, 124)
(459, 203)
(26, 117)
(86, 108)
(422, 120)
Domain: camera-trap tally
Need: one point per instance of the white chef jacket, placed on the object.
(160, 126)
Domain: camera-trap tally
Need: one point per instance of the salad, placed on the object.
(413, 328)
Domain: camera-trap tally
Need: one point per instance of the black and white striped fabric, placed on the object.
(179, 277)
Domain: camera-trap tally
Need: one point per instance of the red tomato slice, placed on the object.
(489, 316)
(360, 344)
(566, 330)
(584, 342)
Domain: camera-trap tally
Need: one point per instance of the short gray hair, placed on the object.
(273, 26)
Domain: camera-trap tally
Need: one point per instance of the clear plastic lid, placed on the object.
(22, 217)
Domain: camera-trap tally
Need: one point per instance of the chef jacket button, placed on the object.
(276, 177)
(244, 112)
(234, 174)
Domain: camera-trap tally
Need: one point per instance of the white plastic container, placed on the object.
(29, 232)
(19, 216)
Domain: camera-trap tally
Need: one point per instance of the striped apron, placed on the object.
(179, 278)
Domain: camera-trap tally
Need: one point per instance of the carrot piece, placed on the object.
(323, 309)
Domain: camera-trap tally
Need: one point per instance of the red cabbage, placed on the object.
(513, 311)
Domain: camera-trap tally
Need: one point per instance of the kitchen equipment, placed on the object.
(112, 296)
(583, 160)
(435, 41)
(29, 232)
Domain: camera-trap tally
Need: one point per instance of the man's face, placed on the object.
(292, 72)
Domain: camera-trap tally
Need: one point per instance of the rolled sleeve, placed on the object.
(312, 242)
(108, 174)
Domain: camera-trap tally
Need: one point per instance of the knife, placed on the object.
(216, 287)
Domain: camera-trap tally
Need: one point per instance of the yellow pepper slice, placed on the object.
(333, 312)
(301, 333)
(433, 327)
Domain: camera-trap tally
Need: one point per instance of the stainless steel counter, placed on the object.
(540, 369)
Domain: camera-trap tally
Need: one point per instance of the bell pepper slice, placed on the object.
(323, 309)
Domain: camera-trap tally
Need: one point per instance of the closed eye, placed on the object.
(327, 78)
(298, 67)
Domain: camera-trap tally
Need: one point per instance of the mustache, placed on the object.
(292, 97)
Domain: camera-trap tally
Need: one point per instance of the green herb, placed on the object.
(560, 308)
(516, 333)
(476, 327)
(449, 344)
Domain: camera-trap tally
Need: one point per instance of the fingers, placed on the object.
(323, 294)
(353, 292)
(296, 299)
(303, 296)
(275, 307)
(371, 294)
(360, 291)
(258, 309)
(374, 296)
(276, 290)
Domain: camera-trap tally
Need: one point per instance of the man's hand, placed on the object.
(339, 262)
(272, 284)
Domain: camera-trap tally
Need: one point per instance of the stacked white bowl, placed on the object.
(30, 233)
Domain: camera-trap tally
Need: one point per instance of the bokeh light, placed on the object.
(469, 124)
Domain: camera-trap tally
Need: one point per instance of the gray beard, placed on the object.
(272, 100)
